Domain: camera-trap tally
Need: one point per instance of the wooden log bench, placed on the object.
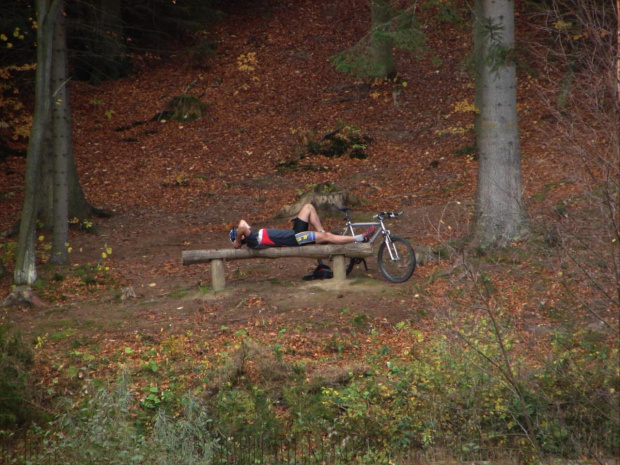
(338, 253)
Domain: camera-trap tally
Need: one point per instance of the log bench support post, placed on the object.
(218, 275)
(338, 268)
(338, 253)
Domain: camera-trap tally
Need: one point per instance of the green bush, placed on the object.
(470, 390)
(576, 395)
(104, 428)
(16, 361)
(459, 392)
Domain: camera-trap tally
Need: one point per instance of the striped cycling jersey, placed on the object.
(268, 237)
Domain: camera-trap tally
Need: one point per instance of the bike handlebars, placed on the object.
(388, 215)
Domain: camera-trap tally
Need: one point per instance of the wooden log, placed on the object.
(355, 250)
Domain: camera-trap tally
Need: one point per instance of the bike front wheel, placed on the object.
(400, 268)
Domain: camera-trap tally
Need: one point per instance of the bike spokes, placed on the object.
(396, 259)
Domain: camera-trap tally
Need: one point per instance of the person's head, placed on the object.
(233, 236)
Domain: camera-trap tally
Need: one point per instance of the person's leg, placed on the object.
(309, 215)
(329, 238)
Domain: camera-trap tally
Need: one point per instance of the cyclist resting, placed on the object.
(299, 235)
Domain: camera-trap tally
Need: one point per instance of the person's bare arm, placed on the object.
(243, 231)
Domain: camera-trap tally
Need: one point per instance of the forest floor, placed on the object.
(181, 186)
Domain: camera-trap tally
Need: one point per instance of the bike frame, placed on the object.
(380, 230)
(349, 228)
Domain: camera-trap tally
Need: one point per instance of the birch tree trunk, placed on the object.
(25, 268)
(499, 214)
(63, 141)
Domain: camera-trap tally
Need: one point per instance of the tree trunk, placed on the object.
(77, 204)
(45, 194)
(25, 267)
(381, 57)
(59, 142)
(499, 214)
(617, 64)
(62, 127)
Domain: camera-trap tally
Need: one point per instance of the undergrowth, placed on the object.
(451, 392)
(16, 361)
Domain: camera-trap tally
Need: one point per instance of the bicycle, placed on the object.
(396, 257)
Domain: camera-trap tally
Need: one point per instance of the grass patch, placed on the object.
(178, 294)
(62, 335)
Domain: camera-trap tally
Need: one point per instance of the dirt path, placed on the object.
(146, 262)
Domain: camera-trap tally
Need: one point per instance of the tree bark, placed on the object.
(618, 57)
(63, 141)
(381, 56)
(60, 144)
(25, 267)
(499, 214)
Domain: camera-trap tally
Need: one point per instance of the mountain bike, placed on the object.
(396, 257)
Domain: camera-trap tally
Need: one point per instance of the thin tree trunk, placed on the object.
(382, 58)
(62, 127)
(25, 267)
(618, 57)
(499, 215)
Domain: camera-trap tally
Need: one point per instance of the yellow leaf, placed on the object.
(562, 25)
(41, 238)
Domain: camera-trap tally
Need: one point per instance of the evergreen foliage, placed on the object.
(404, 31)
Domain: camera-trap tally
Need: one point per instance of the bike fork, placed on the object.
(391, 248)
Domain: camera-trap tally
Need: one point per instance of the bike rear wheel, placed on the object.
(353, 262)
(401, 269)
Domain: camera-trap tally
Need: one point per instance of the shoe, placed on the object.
(368, 234)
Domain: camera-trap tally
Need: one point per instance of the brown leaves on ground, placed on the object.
(178, 186)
